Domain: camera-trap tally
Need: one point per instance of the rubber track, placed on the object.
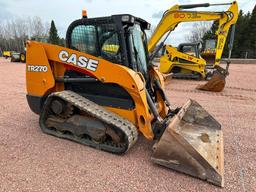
(100, 113)
(186, 77)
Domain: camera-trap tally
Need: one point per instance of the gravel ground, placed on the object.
(33, 161)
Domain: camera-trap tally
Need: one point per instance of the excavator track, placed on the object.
(125, 134)
(186, 76)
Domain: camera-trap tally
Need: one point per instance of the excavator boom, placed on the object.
(176, 15)
(174, 61)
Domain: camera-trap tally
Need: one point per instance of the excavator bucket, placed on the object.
(192, 144)
(217, 82)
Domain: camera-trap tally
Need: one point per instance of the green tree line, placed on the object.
(245, 36)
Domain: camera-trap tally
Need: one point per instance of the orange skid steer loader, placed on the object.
(101, 91)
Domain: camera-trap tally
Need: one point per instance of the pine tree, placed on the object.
(242, 37)
(252, 33)
(53, 35)
(239, 49)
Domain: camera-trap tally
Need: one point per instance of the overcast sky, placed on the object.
(63, 12)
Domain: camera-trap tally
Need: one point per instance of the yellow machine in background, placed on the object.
(7, 54)
(18, 57)
(193, 66)
(187, 56)
(15, 56)
(101, 91)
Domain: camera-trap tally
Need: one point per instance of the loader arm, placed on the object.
(172, 54)
(176, 15)
(175, 53)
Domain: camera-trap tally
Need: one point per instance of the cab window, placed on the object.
(84, 39)
(110, 48)
(98, 40)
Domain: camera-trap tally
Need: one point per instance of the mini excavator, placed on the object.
(186, 61)
(101, 91)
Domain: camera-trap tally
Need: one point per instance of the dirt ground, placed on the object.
(33, 161)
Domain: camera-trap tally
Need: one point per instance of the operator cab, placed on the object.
(192, 49)
(119, 39)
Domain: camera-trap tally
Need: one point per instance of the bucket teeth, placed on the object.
(192, 144)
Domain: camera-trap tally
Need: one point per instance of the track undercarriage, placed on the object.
(70, 116)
